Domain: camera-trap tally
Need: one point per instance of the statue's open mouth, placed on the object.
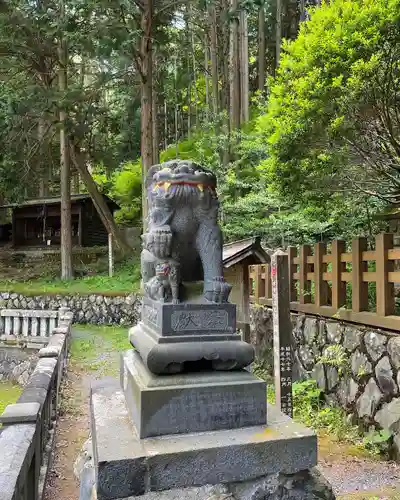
(183, 174)
(166, 185)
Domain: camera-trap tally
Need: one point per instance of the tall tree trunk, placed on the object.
(278, 36)
(214, 57)
(154, 118)
(65, 174)
(165, 124)
(78, 159)
(146, 65)
(244, 67)
(176, 113)
(193, 51)
(189, 103)
(206, 77)
(261, 47)
(234, 76)
(43, 164)
(75, 182)
(302, 8)
(223, 59)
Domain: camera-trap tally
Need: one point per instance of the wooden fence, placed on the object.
(336, 283)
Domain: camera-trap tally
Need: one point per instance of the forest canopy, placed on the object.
(294, 105)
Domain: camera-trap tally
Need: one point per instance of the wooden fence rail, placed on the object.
(336, 283)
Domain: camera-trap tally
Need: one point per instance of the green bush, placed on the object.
(311, 409)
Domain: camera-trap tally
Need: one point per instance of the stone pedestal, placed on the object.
(191, 402)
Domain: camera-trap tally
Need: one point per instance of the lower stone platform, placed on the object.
(303, 485)
(127, 465)
(191, 402)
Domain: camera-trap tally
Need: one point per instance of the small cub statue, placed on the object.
(160, 271)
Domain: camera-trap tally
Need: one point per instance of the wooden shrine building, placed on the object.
(37, 223)
(237, 257)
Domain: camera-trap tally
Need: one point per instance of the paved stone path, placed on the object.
(352, 478)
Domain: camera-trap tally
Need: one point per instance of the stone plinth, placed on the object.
(127, 465)
(171, 335)
(192, 402)
(203, 318)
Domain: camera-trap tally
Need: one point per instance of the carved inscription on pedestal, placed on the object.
(183, 321)
(150, 314)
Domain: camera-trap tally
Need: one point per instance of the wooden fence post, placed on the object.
(384, 290)
(338, 286)
(321, 286)
(305, 284)
(292, 254)
(257, 283)
(359, 290)
(268, 283)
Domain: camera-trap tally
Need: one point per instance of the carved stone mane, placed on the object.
(183, 211)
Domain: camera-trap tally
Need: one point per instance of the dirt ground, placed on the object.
(95, 354)
(72, 431)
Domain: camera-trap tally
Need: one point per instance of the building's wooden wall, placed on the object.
(93, 231)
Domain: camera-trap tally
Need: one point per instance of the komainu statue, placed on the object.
(183, 328)
(183, 236)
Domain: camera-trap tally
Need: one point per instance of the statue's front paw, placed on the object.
(217, 290)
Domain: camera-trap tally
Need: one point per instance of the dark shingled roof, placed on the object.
(53, 201)
(237, 251)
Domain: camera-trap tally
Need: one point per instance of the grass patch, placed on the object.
(9, 393)
(97, 348)
(126, 279)
(331, 422)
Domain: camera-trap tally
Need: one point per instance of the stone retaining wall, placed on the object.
(17, 364)
(368, 358)
(94, 309)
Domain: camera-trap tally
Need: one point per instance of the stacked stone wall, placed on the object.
(16, 365)
(93, 309)
(366, 379)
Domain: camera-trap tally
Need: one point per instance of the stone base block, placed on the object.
(170, 354)
(188, 318)
(128, 466)
(191, 402)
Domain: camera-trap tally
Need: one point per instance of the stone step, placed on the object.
(127, 465)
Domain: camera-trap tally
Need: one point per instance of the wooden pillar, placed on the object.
(268, 282)
(359, 291)
(292, 254)
(384, 290)
(321, 286)
(305, 284)
(245, 302)
(257, 284)
(338, 286)
(80, 225)
(13, 229)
